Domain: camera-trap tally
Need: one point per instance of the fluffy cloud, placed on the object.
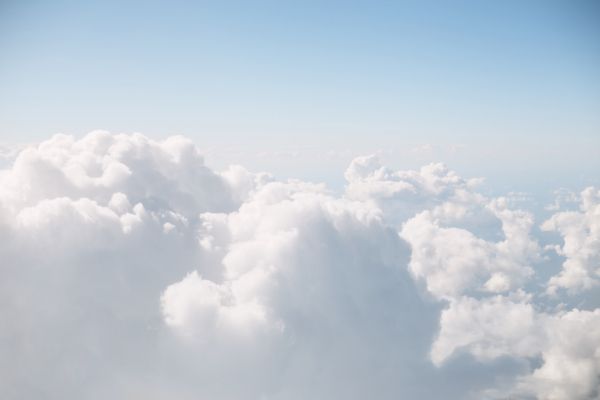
(132, 270)
(401, 194)
(580, 231)
(567, 344)
(101, 164)
(466, 248)
(489, 328)
(460, 240)
(93, 231)
(319, 281)
(453, 260)
(570, 356)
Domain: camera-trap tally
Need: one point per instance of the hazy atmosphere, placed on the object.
(300, 200)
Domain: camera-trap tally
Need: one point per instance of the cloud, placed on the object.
(401, 194)
(100, 164)
(93, 232)
(477, 254)
(580, 231)
(453, 260)
(319, 281)
(130, 269)
(488, 328)
(565, 343)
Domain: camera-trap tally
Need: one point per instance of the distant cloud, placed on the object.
(130, 269)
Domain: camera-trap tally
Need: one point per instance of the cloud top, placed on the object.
(130, 269)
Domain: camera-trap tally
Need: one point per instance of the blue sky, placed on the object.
(514, 85)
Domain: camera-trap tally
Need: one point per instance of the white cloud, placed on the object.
(453, 260)
(317, 279)
(100, 164)
(466, 247)
(571, 358)
(580, 231)
(488, 328)
(401, 194)
(132, 270)
(566, 343)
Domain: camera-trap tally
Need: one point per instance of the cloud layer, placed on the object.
(132, 270)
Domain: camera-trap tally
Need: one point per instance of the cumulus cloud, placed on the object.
(100, 164)
(403, 193)
(453, 260)
(580, 231)
(316, 278)
(565, 343)
(488, 328)
(130, 269)
(477, 254)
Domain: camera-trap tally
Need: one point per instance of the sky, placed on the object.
(300, 200)
(496, 88)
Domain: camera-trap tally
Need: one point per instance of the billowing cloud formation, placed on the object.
(567, 344)
(453, 260)
(132, 270)
(581, 248)
(401, 194)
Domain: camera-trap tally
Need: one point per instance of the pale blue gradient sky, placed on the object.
(509, 89)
